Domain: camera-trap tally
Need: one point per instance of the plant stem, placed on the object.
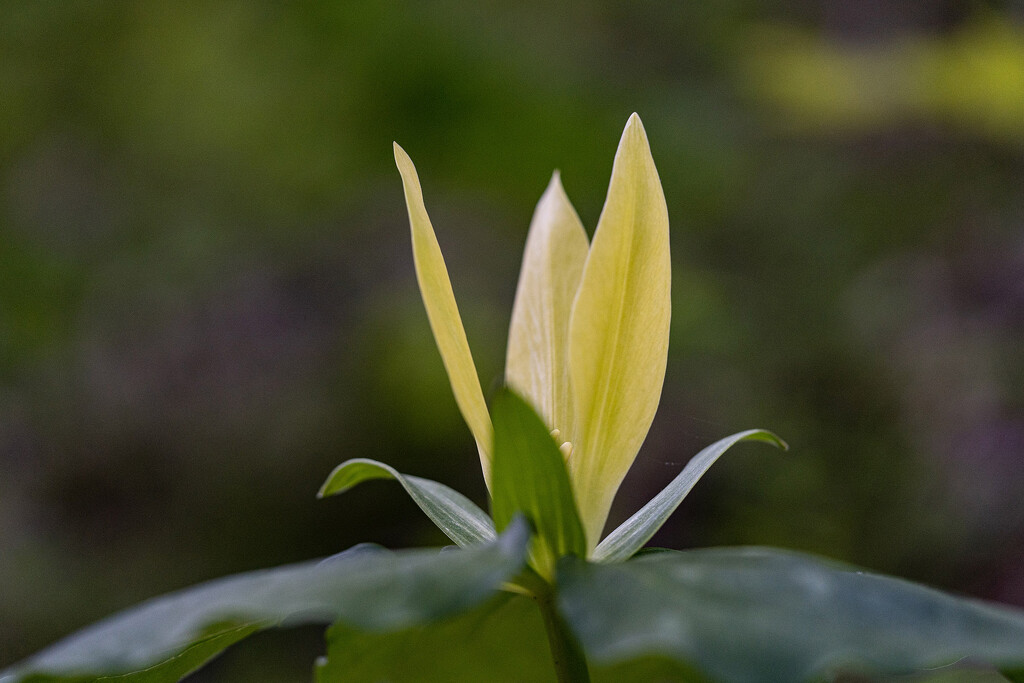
(570, 662)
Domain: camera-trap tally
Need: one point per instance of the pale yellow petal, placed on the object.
(445, 321)
(537, 365)
(618, 335)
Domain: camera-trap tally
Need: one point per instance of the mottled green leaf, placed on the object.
(171, 669)
(760, 614)
(501, 640)
(164, 638)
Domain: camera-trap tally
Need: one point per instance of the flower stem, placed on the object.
(570, 662)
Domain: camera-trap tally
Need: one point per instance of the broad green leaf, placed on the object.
(761, 614)
(443, 313)
(501, 640)
(537, 363)
(454, 514)
(379, 590)
(171, 669)
(530, 478)
(618, 334)
(632, 534)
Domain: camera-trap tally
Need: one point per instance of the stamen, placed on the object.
(565, 447)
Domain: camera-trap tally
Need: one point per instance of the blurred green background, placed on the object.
(207, 297)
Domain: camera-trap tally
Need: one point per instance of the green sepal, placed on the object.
(454, 514)
(631, 535)
(529, 476)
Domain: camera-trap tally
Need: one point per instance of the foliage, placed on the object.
(206, 299)
(589, 349)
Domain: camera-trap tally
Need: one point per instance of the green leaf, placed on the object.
(500, 640)
(454, 514)
(167, 637)
(632, 534)
(172, 669)
(529, 476)
(761, 614)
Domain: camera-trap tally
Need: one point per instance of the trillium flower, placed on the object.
(588, 341)
(587, 350)
(586, 362)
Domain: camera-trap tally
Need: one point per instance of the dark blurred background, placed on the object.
(207, 297)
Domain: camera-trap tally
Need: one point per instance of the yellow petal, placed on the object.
(537, 366)
(618, 335)
(445, 322)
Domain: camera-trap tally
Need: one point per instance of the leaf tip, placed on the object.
(768, 437)
(326, 490)
(330, 486)
(775, 440)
